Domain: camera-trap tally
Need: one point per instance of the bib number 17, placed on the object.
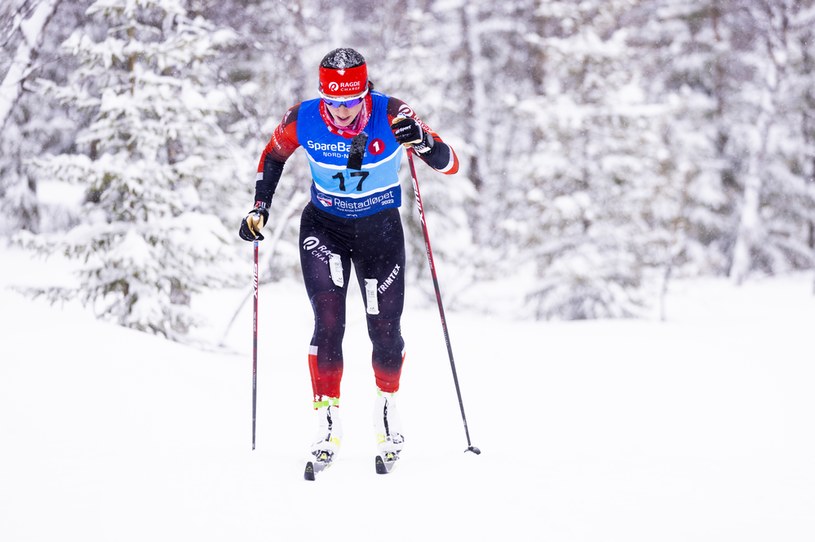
(361, 174)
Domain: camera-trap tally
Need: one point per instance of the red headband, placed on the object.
(343, 82)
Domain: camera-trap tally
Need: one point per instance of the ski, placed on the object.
(313, 468)
(385, 462)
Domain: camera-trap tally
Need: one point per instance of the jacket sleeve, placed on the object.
(441, 157)
(281, 145)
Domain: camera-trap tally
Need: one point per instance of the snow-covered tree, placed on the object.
(491, 70)
(31, 29)
(156, 167)
(582, 190)
(23, 26)
(777, 207)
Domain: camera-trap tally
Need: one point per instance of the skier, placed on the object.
(352, 218)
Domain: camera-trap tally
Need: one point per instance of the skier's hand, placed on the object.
(408, 132)
(251, 225)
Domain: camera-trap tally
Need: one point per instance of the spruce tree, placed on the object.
(154, 163)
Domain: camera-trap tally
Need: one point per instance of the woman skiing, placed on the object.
(353, 138)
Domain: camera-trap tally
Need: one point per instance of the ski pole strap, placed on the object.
(327, 402)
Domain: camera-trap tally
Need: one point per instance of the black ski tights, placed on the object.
(374, 246)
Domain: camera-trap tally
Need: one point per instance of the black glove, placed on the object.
(408, 132)
(252, 223)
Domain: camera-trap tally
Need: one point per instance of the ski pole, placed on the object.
(470, 447)
(255, 348)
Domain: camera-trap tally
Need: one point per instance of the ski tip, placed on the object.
(379, 463)
(309, 472)
(384, 463)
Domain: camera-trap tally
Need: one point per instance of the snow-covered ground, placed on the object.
(695, 429)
